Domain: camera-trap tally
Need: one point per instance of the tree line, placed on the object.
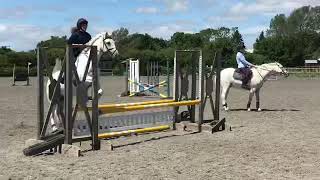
(288, 40)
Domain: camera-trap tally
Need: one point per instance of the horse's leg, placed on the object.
(54, 118)
(224, 95)
(257, 93)
(250, 99)
(100, 90)
(89, 80)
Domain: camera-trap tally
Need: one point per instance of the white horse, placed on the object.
(260, 74)
(105, 44)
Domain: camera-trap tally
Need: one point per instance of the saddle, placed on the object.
(241, 74)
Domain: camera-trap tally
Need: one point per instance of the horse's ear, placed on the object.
(107, 35)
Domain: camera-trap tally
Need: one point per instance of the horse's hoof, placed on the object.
(248, 109)
(53, 127)
(100, 92)
(259, 109)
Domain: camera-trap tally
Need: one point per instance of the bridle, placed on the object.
(106, 36)
(110, 50)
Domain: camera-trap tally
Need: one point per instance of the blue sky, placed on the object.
(23, 23)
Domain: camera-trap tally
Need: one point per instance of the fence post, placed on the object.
(168, 79)
(40, 96)
(68, 95)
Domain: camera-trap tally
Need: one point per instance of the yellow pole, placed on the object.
(107, 110)
(134, 103)
(137, 131)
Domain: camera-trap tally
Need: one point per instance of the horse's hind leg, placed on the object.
(224, 96)
(257, 93)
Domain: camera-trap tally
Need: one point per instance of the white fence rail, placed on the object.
(304, 72)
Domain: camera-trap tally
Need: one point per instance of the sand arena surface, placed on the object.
(281, 142)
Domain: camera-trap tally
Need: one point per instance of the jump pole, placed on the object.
(107, 110)
(135, 103)
(133, 131)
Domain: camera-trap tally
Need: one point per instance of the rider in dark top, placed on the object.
(79, 35)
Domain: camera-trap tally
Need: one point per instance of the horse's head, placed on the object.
(105, 44)
(109, 45)
(279, 69)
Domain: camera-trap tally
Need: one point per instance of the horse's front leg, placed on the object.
(89, 84)
(100, 90)
(257, 93)
(250, 99)
(224, 96)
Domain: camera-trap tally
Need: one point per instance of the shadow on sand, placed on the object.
(143, 141)
(266, 110)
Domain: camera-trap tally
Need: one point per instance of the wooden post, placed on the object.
(168, 79)
(95, 110)
(218, 69)
(13, 75)
(193, 85)
(40, 97)
(28, 81)
(68, 95)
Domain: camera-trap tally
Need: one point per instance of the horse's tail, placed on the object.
(56, 69)
(55, 117)
(55, 75)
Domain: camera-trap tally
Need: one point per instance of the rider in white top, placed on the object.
(241, 61)
(244, 66)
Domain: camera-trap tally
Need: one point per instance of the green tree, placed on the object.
(237, 38)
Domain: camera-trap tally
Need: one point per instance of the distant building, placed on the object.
(312, 63)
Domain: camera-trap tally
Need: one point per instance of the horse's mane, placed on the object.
(270, 64)
(96, 37)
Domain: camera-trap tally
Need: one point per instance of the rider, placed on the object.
(79, 35)
(244, 66)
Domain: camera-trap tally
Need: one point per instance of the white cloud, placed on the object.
(250, 34)
(167, 30)
(23, 12)
(255, 30)
(226, 19)
(173, 6)
(147, 10)
(162, 30)
(16, 12)
(177, 5)
(170, 6)
(98, 29)
(22, 37)
(270, 7)
(3, 28)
